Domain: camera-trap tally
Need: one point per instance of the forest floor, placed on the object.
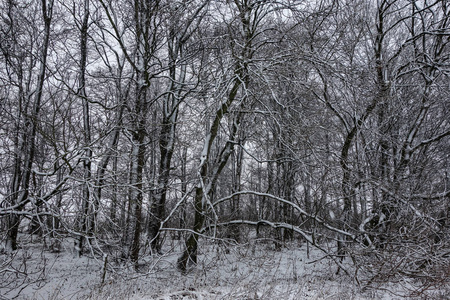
(250, 271)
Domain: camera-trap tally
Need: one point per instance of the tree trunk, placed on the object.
(157, 211)
(21, 178)
(182, 215)
(235, 212)
(87, 160)
(177, 36)
(136, 175)
(100, 177)
(207, 183)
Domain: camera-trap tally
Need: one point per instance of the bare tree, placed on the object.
(182, 20)
(87, 159)
(28, 113)
(146, 41)
(247, 18)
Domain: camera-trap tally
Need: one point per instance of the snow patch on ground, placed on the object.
(252, 271)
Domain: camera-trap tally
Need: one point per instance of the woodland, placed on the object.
(132, 130)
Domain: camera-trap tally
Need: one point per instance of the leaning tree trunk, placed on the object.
(243, 54)
(208, 181)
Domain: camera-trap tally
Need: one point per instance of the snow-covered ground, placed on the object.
(252, 271)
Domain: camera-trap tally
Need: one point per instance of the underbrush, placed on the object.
(226, 270)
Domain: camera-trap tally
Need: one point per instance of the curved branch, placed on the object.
(295, 206)
(296, 229)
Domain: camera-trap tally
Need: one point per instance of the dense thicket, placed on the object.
(127, 122)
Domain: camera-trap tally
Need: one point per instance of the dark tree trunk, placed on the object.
(84, 227)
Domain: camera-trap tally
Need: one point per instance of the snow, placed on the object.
(252, 271)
